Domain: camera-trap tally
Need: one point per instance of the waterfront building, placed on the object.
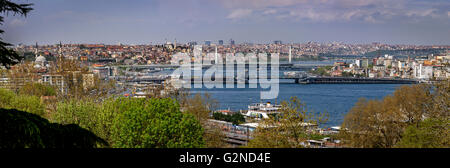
(401, 65)
(365, 63)
(358, 63)
(387, 63)
(423, 72)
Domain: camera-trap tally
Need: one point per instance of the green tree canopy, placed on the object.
(431, 133)
(236, 118)
(31, 104)
(155, 123)
(37, 89)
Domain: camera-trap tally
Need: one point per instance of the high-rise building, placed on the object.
(365, 63)
(220, 42)
(277, 42)
(358, 63)
(192, 43)
(232, 42)
(208, 43)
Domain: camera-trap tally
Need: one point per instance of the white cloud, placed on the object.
(239, 13)
(372, 11)
(270, 12)
(17, 22)
(422, 13)
(370, 19)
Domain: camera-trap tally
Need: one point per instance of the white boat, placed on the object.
(262, 110)
(295, 74)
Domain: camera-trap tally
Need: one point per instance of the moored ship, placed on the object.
(262, 110)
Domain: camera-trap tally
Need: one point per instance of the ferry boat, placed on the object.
(262, 110)
(295, 74)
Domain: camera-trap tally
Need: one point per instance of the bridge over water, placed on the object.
(294, 79)
(205, 66)
(351, 80)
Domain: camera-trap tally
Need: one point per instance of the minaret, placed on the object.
(60, 51)
(36, 51)
(175, 44)
(216, 59)
(290, 54)
(60, 57)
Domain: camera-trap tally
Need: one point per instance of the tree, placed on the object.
(370, 126)
(89, 114)
(79, 112)
(290, 129)
(20, 129)
(382, 123)
(124, 122)
(31, 104)
(214, 137)
(440, 101)
(431, 133)
(5, 98)
(21, 74)
(105, 117)
(236, 118)
(37, 89)
(8, 56)
(200, 107)
(322, 71)
(412, 102)
(155, 123)
(347, 74)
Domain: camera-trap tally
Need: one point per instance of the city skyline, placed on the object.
(151, 22)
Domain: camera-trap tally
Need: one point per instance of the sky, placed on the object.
(425, 22)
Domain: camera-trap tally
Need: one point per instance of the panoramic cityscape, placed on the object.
(225, 74)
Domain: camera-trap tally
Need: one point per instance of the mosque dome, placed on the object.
(40, 59)
(37, 66)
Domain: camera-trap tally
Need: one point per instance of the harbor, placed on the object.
(240, 134)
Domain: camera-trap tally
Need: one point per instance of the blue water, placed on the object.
(336, 99)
